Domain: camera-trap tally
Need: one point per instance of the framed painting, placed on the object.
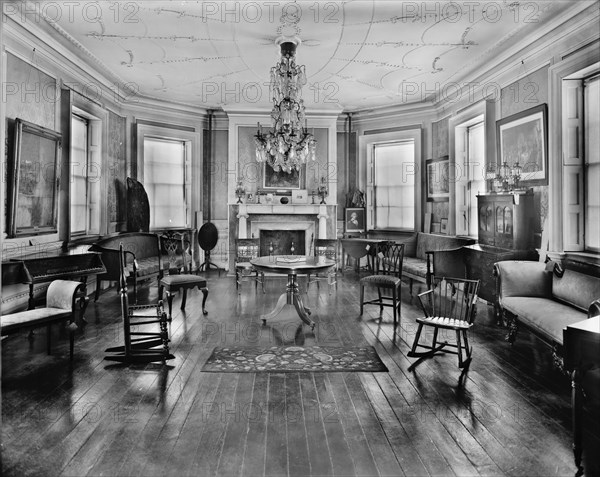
(523, 138)
(279, 179)
(438, 180)
(355, 219)
(33, 206)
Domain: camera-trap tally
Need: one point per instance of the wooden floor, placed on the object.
(509, 415)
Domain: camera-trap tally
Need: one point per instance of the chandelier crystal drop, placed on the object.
(289, 144)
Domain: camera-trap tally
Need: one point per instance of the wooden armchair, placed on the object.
(450, 305)
(328, 248)
(246, 250)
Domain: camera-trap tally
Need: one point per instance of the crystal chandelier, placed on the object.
(289, 144)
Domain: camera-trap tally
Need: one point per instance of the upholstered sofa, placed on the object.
(544, 297)
(142, 254)
(420, 263)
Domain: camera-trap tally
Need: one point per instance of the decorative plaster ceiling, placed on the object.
(358, 54)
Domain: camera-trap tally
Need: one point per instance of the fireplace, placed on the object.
(301, 223)
(282, 242)
(279, 229)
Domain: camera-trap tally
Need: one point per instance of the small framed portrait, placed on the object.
(355, 219)
(444, 226)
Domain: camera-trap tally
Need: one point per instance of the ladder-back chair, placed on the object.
(180, 279)
(388, 276)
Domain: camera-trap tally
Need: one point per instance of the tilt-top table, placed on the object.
(292, 265)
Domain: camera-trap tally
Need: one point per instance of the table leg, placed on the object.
(291, 297)
(302, 311)
(576, 377)
(280, 304)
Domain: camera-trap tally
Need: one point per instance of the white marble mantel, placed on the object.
(246, 210)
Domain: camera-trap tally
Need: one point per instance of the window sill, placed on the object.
(83, 240)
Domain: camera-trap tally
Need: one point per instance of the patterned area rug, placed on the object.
(288, 359)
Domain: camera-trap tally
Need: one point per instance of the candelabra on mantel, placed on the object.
(323, 190)
(240, 192)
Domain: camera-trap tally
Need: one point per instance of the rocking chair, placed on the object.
(449, 305)
(141, 345)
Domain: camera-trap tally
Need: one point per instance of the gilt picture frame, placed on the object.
(523, 138)
(33, 191)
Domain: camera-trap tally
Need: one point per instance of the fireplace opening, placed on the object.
(282, 242)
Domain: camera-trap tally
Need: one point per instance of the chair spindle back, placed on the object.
(452, 298)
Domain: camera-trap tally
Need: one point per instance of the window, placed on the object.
(394, 185)
(591, 172)
(389, 172)
(166, 180)
(581, 161)
(469, 173)
(84, 169)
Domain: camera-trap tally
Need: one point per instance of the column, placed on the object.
(242, 221)
(322, 216)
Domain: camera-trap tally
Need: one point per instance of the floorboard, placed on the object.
(508, 415)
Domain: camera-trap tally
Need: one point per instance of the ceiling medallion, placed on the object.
(289, 144)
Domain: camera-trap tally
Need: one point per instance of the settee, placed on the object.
(545, 297)
(421, 262)
(144, 259)
(65, 303)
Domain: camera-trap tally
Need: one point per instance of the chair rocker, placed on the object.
(141, 345)
(449, 305)
(387, 265)
(176, 281)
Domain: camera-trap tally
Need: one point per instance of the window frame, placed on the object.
(366, 151)
(487, 110)
(373, 166)
(97, 147)
(464, 179)
(193, 141)
(588, 247)
(580, 63)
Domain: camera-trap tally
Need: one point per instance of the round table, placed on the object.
(292, 265)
